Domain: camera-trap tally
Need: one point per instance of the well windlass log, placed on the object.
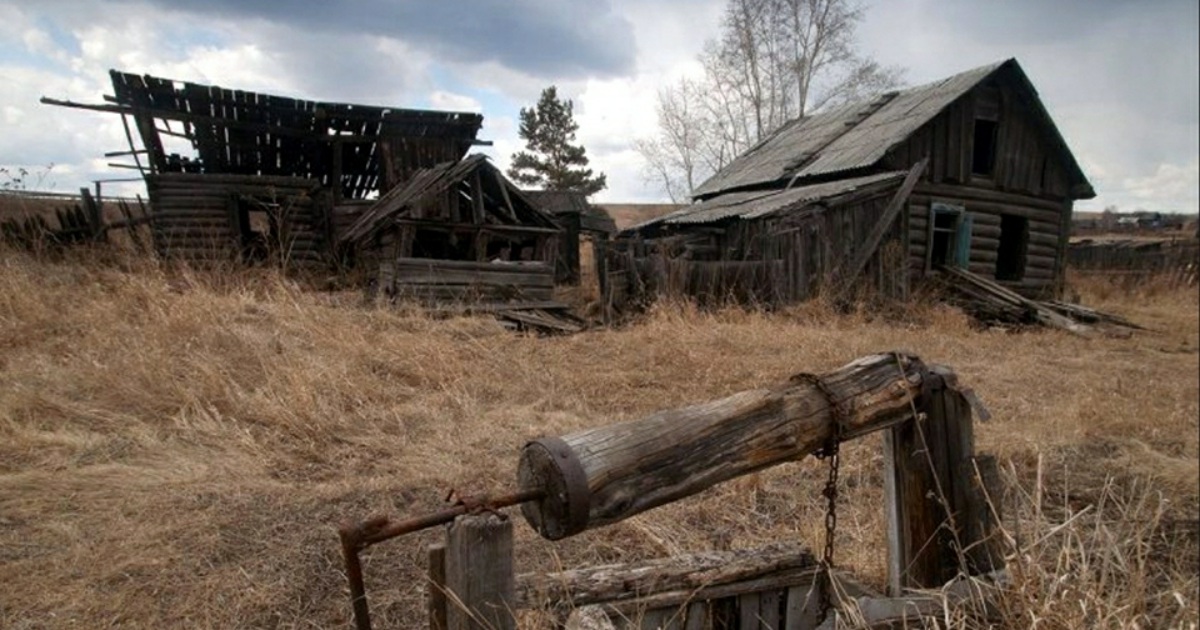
(606, 474)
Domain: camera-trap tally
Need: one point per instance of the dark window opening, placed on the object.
(943, 245)
(258, 228)
(441, 245)
(947, 242)
(1014, 241)
(983, 155)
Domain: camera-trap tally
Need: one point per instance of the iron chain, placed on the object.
(830, 492)
(828, 452)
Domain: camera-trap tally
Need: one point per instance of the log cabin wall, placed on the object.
(1021, 176)
(211, 218)
(781, 259)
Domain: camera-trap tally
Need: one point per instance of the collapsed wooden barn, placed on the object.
(233, 174)
(460, 235)
(582, 223)
(824, 198)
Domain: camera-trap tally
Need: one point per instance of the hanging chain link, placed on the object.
(828, 452)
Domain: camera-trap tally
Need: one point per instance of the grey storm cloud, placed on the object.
(537, 37)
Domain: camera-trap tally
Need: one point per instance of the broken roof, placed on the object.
(557, 202)
(236, 131)
(857, 136)
(762, 203)
(509, 205)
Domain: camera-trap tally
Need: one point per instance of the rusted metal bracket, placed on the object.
(358, 536)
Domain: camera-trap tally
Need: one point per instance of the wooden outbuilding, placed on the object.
(826, 198)
(235, 174)
(580, 222)
(459, 233)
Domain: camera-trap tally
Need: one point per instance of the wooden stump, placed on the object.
(479, 573)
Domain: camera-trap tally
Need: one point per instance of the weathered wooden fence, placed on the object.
(1176, 259)
(939, 521)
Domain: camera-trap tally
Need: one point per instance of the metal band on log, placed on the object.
(606, 474)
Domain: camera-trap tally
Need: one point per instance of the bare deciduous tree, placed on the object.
(773, 61)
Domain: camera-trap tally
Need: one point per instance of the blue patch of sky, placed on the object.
(61, 37)
(494, 103)
(14, 52)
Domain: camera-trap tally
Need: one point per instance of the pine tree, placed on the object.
(551, 160)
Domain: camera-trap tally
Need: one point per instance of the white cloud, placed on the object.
(441, 99)
(1122, 87)
(1172, 187)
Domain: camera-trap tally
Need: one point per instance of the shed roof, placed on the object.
(857, 136)
(763, 203)
(430, 183)
(560, 202)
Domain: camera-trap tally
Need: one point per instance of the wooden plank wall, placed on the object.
(1027, 161)
(458, 281)
(782, 260)
(192, 215)
(1043, 256)
(1029, 180)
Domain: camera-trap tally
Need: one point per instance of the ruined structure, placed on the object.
(235, 174)
(825, 198)
(461, 235)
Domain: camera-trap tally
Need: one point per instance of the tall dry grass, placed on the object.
(177, 446)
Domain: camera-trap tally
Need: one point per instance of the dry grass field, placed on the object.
(176, 448)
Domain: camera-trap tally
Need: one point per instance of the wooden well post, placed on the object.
(471, 579)
(939, 521)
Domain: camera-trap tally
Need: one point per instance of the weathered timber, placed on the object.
(867, 249)
(779, 580)
(606, 474)
(1051, 206)
(938, 522)
(436, 587)
(984, 291)
(479, 573)
(629, 581)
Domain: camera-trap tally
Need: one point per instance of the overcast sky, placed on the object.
(1120, 78)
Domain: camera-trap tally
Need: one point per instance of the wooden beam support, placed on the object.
(606, 474)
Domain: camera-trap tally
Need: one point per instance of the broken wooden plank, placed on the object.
(986, 290)
(846, 275)
(629, 581)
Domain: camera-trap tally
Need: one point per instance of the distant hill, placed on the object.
(629, 214)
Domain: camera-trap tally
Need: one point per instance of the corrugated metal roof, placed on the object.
(758, 204)
(846, 138)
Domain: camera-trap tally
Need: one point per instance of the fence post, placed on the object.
(479, 573)
(437, 586)
(938, 521)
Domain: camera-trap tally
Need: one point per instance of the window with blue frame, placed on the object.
(949, 242)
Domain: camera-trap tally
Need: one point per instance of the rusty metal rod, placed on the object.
(354, 575)
(358, 536)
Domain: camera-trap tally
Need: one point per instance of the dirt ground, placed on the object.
(177, 448)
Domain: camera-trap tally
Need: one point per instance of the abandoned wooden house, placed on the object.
(990, 190)
(583, 225)
(236, 174)
(459, 233)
